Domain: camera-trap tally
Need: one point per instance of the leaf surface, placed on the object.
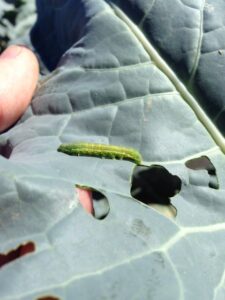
(117, 78)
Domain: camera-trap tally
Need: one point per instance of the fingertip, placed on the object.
(18, 80)
(85, 198)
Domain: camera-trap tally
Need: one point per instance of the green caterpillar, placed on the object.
(101, 150)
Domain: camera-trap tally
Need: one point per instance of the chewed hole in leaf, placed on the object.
(16, 253)
(6, 150)
(204, 163)
(155, 186)
(93, 202)
(101, 205)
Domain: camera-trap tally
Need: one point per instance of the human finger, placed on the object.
(19, 72)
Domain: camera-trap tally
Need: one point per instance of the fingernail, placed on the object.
(11, 52)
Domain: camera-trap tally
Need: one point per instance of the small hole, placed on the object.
(155, 186)
(204, 163)
(101, 205)
(6, 149)
(93, 202)
(16, 253)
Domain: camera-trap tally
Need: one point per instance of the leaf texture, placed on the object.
(117, 78)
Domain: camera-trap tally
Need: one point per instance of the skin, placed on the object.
(85, 198)
(19, 72)
(18, 80)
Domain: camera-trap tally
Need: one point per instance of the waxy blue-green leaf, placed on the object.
(113, 82)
